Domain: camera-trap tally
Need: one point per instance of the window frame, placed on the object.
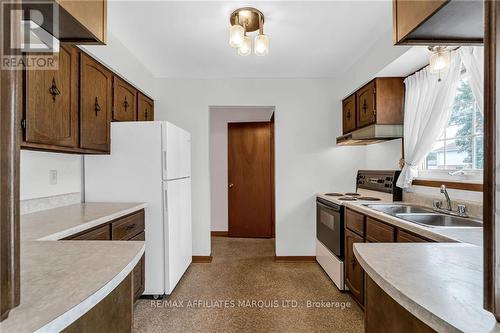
(474, 176)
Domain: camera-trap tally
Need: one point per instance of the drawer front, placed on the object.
(379, 232)
(406, 237)
(355, 222)
(128, 226)
(138, 272)
(100, 233)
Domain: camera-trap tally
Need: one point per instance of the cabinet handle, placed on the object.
(97, 108)
(130, 227)
(125, 104)
(54, 91)
(364, 107)
(349, 114)
(353, 263)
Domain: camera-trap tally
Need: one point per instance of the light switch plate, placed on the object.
(52, 177)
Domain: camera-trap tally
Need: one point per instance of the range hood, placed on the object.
(370, 135)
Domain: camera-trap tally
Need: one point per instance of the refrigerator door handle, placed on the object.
(165, 162)
(165, 199)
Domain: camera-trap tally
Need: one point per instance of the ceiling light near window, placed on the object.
(439, 60)
(244, 20)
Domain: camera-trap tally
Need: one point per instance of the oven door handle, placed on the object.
(322, 205)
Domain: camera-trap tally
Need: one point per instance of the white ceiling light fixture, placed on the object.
(439, 60)
(244, 20)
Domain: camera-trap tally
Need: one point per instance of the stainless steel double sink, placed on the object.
(425, 216)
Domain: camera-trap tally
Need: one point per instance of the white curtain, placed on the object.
(473, 61)
(428, 104)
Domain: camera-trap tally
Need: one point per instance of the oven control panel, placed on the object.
(381, 181)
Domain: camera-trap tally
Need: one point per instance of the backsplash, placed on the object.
(38, 204)
(474, 208)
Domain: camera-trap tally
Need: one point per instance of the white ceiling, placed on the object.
(190, 38)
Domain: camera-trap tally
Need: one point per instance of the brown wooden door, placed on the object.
(124, 101)
(95, 105)
(349, 114)
(145, 108)
(354, 274)
(366, 105)
(52, 102)
(249, 179)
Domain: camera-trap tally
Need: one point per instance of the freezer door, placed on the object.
(176, 152)
(178, 215)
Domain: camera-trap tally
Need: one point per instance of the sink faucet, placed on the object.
(437, 205)
(445, 192)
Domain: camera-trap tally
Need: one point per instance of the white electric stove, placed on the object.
(371, 186)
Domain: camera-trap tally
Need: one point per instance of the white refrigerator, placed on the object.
(150, 162)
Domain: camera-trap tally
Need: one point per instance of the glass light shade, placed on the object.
(439, 61)
(236, 35)
(261, 47)
(246, 47)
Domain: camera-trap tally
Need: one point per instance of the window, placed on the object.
(460, 146)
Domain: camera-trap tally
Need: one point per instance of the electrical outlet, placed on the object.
(52, 177)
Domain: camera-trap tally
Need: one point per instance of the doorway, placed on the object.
(221, 117)
(250, 179)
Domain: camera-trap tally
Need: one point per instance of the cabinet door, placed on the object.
(124, 101)
(349, 114)
(409, 14)
(95, 105)
(138, 272)
(366, 105)
(145, 108)
(52, 102)
(354, 274)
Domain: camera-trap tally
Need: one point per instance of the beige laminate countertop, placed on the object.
(440, 284)
(62, 280)
(461, 235)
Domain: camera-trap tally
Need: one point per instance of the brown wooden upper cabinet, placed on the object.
(82, 22)
(145, 108)
(349, 114)
(431, 22)
(124, 100)
(95, 105)
(51, 113)
(378, 102)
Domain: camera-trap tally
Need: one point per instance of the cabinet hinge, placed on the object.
(23, 124)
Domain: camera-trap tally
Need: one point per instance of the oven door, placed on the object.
(330, 227)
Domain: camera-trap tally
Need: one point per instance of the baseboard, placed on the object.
(202, 259)
(219, 233)
(295, 258)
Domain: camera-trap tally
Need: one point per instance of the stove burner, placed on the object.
(347, 199)
(334, 194)
(353, 194)
(369, 198)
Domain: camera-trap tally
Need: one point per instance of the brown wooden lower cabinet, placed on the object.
(407, 237)
(360, 228)
(113, 314)
(354, 273)
(126, 228)
(138, 273)
(384, 314)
